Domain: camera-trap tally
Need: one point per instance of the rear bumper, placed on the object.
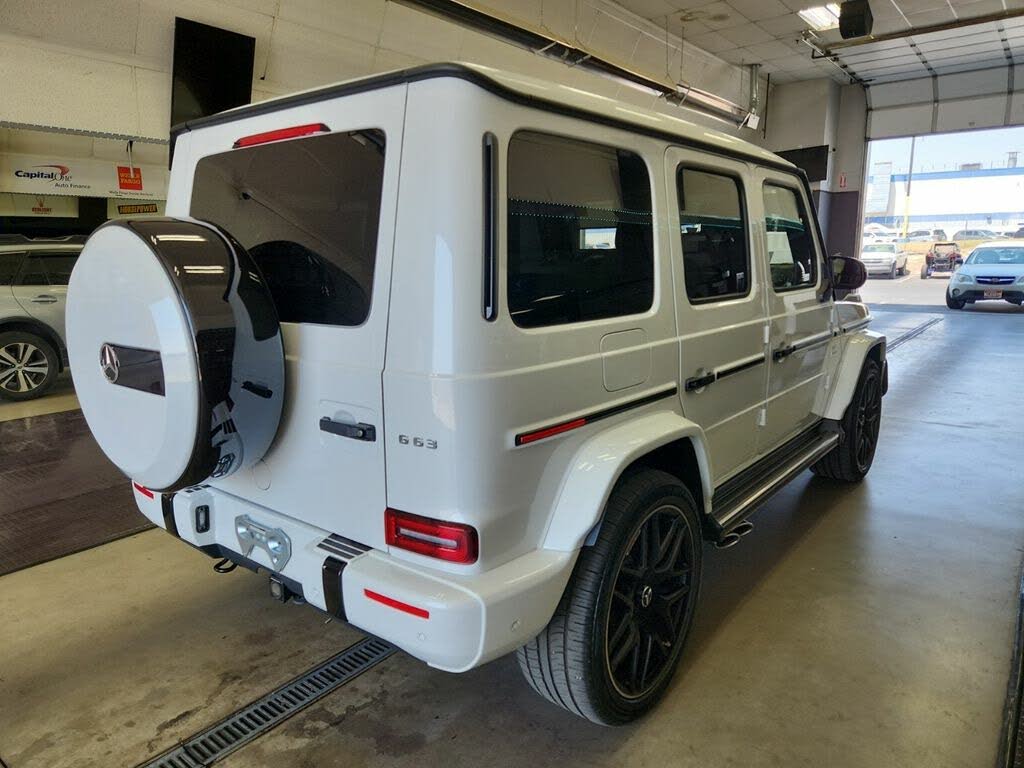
(451, 621)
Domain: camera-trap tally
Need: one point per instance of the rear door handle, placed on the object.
(366, 432)
(44, 299)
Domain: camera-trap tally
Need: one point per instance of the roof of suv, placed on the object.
(22, 243)
(531, 91)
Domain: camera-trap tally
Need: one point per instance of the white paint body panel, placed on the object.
(426, 364)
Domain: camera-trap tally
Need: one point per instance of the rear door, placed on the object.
(317, 214)
(41, 286)
(719, 306)
(800, 323)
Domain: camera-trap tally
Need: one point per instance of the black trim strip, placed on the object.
(800, 346)
(167, 508)
(435, 71)
(333, 599)
(699, 382)
(490, 287)
(360, 431)
(523, 437)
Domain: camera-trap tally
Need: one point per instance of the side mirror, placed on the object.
(958, 260)
(848, 274)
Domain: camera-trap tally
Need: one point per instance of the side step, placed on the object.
(739, 496)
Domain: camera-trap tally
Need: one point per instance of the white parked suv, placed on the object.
(34, 274)
(480, 379)
(887, 259)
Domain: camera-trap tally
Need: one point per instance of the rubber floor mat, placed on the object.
(58, 493)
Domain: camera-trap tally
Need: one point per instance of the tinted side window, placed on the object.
(308, 211)
(791, 255)
(33, 271)
(9, 265)
(580, 234)
(716, 264)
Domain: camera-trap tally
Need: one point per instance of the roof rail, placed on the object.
(23, 240)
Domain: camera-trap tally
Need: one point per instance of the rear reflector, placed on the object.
(540, 434)
(454, 542)
(280, 134)
(398, 605)
(143, 490)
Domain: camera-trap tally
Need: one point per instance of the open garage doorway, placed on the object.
(931, 202)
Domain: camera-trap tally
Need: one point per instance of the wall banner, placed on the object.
(85, 177)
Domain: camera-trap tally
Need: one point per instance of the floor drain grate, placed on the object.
(255, 719)
(913, 333)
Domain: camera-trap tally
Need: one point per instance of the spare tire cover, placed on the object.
(175, 351)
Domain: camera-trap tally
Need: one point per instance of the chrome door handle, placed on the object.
(44, 299)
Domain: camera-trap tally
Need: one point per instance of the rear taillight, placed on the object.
(280, 134)
(454, 542)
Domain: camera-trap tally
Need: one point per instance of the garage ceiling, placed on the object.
(768, 32)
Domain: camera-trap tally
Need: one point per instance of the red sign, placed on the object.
(129, 178)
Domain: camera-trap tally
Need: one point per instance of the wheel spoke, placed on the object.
(649, 646)
(6, 376)
(36, 369)
(23, 385)
(27, 350)
(7, 356)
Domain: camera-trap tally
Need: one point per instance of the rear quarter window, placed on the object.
(580, 231)
(308, 212)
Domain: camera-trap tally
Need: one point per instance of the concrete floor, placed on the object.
(60, 398)
(857, 626)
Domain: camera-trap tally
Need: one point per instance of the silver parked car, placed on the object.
(34, 275)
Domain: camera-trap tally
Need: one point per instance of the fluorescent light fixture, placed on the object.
(821, 17)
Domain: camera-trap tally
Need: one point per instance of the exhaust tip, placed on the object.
(729, 540)
(743, 528)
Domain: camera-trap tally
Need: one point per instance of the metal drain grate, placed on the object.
(255, 719)
(913, 333)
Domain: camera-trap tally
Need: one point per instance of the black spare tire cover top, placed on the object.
(175, 351)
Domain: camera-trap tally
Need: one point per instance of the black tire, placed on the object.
(619, 597)
(852, 456)
(893, 271)
(924, 272)
(954, 303)
(28, 365)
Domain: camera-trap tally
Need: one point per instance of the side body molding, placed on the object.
(600, 462)
(856, 348)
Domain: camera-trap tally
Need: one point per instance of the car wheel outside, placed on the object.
(954, 303)
(853, 455)
(924, 272)
(892, 272)
(610, 650)
(28, 365)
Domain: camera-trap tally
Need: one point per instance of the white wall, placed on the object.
(103, 66)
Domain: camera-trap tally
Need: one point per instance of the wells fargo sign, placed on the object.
(43, 175)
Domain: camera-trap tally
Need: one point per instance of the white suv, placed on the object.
(34, 274)
(480, 378)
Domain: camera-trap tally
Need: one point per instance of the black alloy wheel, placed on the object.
(869, 418)
(651, 602)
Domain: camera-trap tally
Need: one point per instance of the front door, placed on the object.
(720, 307)
(801, 324)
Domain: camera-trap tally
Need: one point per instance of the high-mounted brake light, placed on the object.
(143, 490)
(454, 542)
(280, 134)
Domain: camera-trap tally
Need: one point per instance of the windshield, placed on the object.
(997, 256)
(879, 248)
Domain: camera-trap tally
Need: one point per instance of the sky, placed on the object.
(950, 150)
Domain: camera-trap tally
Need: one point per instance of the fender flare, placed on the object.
(597, 465)
(855, 351)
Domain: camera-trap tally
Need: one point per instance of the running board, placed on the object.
(738, 497)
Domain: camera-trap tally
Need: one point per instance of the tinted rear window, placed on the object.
(579, 231)
(308, 211)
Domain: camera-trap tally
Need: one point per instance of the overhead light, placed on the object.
(821, 17)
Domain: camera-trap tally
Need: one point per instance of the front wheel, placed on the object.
(892, 272)
(924, 272)
(613, 644)
(28, 365)
(954, 303)
(852, 456)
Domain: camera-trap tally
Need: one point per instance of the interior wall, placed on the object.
(815, 112)
(104, 66)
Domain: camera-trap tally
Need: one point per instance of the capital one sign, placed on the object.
(41, 175)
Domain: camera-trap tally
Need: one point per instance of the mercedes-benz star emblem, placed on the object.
(109, 363)
(646, 596)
